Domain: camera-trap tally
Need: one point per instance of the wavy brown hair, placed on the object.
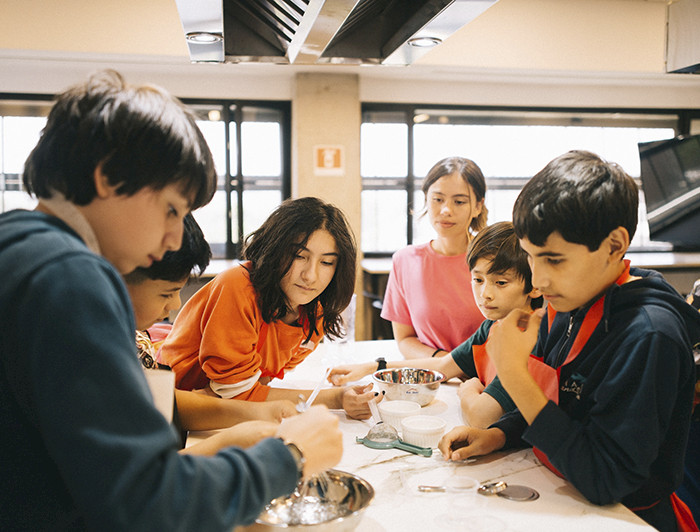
(272, 248)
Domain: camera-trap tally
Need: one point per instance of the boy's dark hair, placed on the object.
(472, 176)
(192, 258)
(498, 244)
(580, 196)
(274, 245)
(139, 136)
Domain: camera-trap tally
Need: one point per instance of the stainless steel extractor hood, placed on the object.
(321, 31)
(683, 37)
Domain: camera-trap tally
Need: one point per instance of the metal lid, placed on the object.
(518, 493)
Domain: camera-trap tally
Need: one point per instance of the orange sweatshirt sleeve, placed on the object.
(216, 332)
(217, 337)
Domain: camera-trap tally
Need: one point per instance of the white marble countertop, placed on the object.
(394, 474)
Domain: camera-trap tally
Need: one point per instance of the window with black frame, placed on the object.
(250, 142)
(254, 172)
(400, 143)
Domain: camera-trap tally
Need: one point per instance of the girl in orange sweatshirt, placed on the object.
(264, 316)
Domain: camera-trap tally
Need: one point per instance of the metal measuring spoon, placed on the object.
(383, 436)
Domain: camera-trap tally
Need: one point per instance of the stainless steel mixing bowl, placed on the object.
(335, 503)
(410, 384)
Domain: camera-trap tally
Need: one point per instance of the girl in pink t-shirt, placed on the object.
(428, 298)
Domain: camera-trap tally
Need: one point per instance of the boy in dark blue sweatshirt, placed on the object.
(617, 342)
(83, 447)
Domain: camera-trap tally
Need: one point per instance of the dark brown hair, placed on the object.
(139, 136)
(499, 244)
(272, 248)
(580, 196)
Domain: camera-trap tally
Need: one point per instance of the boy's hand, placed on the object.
(512, 339)
(463, 442)
(341, 375)
(470, 388)
(317, 435)
(356, 401)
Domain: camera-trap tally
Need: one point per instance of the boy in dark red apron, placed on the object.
(617, 342)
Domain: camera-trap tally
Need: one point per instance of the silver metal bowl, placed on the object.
(334, 504)
(409, 384)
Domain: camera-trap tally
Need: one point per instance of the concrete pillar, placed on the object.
(326, 119)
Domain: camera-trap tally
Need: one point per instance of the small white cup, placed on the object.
(392, 412)
(424, 431)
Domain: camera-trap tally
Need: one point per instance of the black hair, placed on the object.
(580, 196)
(138, 136)
(274, 245)
(472, 176)
(191, 259)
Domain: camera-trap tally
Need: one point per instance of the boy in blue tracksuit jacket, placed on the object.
(83, 447)
(617, 341)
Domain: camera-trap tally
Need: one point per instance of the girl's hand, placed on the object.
(356, 401)
(463, 442)
(341, 375)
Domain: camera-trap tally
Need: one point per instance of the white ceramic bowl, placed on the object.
(424, 431)
(392, 412)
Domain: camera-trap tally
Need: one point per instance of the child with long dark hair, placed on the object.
(264, 316)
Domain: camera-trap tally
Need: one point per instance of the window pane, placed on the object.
(500, 203)
(215, 134)
(521, 151)
(257, 206)
(233, 148)
(261, 142)
(211, 218)
(384, 150)
(13, 199)
(422, 230)
(383, 220)
(20, 135)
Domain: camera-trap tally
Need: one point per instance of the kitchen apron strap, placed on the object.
(590, 322)
(544, 375)
(485, 369)
(684, 517)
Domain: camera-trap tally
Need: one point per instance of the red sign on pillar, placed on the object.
(329, 160)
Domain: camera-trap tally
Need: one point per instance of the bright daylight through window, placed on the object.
(254, 173)
(400, 144)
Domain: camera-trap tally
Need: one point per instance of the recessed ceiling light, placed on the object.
(424, 42)
(203, 37)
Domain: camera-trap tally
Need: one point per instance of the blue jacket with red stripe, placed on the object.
(620, 429)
